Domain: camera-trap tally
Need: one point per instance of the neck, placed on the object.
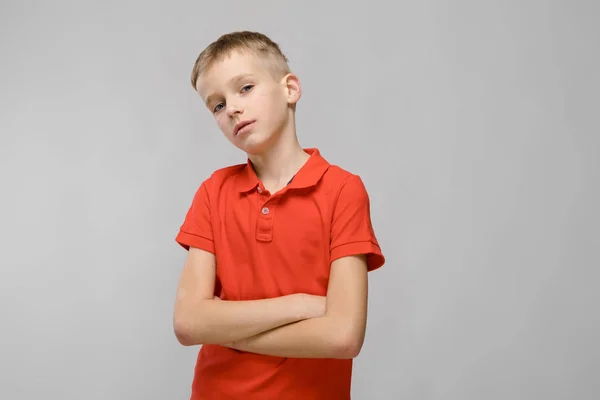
(280, 162)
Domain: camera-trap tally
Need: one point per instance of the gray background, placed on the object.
(474, 126)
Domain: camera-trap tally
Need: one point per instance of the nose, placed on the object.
(233, 109)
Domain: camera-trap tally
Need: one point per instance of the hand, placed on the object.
(312, 306)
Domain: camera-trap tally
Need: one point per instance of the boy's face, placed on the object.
(249, 105)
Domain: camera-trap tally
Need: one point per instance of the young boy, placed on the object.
(274, 286)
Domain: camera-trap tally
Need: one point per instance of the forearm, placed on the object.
(339, 333)
(221, 321)
(324, 337)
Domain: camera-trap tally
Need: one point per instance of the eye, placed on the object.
(218, 107)
(245, 88)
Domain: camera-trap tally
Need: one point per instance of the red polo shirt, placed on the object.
(270, 245)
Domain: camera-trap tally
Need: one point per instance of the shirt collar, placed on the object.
(309, 175)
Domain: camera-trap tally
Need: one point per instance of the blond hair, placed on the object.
(254, 42)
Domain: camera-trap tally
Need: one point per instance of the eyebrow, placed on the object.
(233, 80)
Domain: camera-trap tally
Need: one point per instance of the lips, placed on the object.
(241, 125)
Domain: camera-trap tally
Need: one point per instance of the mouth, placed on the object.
(240, 126)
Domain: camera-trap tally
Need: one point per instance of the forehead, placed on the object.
(222, 71)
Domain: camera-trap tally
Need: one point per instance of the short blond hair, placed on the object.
(254, 42)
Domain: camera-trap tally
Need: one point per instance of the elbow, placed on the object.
(185, 333)
(348, 345)
(349, 350)
(182, 333)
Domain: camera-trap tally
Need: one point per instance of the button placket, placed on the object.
(264, 227)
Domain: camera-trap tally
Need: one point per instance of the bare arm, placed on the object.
(199, 319)
(338, 334)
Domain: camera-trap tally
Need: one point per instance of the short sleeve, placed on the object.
(351, 230)
(196, 230)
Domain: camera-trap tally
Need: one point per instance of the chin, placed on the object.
(254, 144)
(254, 149)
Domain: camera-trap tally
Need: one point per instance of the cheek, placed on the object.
(273, 103)
(221, 122)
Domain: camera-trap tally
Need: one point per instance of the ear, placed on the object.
(293, 90)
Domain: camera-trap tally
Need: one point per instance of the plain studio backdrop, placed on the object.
(474, 125)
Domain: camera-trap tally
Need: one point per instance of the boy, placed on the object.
(274, 286)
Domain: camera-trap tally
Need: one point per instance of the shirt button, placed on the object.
(265, 210)
(259, 190)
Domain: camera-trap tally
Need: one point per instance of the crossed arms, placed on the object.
(298, 325)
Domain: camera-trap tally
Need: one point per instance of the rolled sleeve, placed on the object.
(352, 230)
(196, 230)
